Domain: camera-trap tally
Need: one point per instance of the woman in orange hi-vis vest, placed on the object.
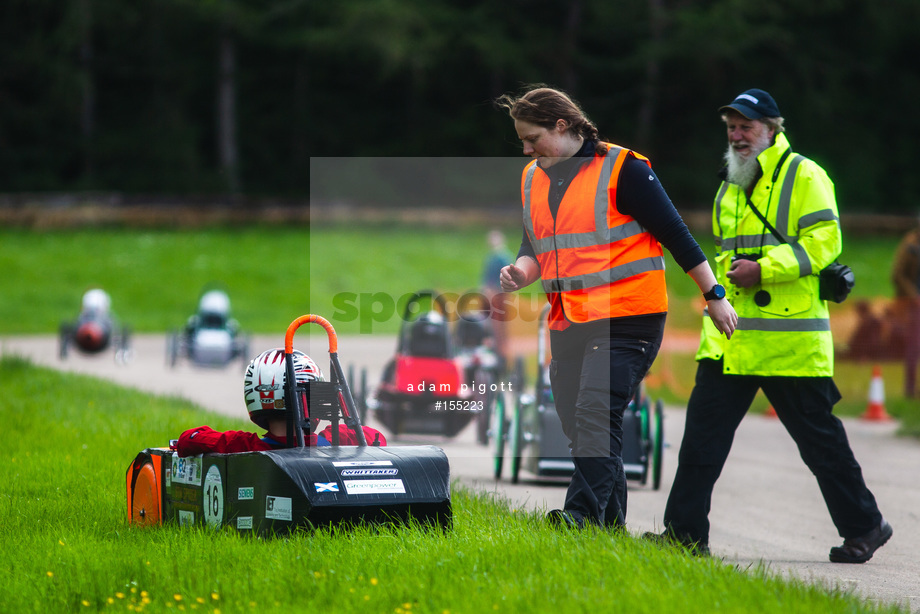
(595, 217)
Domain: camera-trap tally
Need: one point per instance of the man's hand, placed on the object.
(744, 273)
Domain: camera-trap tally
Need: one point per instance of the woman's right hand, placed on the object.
(512, 278)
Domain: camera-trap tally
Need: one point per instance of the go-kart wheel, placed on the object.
(516, 442)
(64, 340)
(122, 346)
(645, 435)
(499, 430)
(484, 417)
(172, 348)
(658, 447)
(145, 499)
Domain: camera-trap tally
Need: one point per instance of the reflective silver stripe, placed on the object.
(784, 325)
(743, 243)
(603, 278)
(528, 220)
(825, 215)
(801, 257)
(785, 196)
(722, 190)
(601, 200)
(604, 236)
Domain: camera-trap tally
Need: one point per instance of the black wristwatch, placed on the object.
(718, 291)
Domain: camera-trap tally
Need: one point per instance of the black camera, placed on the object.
(751, 257)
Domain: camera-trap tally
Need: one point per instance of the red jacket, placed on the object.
(204, 440)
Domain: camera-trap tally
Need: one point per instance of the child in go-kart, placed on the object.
(263, 391)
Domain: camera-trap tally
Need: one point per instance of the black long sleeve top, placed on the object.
(639, 195)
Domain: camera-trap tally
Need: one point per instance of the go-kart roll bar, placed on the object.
(351, 418)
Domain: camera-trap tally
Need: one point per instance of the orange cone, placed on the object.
(875, 411)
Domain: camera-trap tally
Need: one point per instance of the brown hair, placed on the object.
(544, 106)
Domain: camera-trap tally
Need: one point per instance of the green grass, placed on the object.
(68, 440)
(271, 274)
(356, 276)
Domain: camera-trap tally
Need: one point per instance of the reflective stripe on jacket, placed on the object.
(595, 262)
(788, 333)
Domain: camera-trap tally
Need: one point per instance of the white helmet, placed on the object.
(263, 384)
(216, 302)
(96, 300)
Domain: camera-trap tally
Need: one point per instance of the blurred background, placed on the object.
(226, 101)
(140, 141)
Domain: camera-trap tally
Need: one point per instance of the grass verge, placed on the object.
(68, 440)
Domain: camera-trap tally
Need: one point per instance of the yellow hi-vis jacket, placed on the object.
(789, 332)
(595, 262)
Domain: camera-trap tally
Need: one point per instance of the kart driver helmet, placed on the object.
(263, 384)
(96, 301)
(214, 309)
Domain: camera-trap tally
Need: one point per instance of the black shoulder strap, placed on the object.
(757, 212)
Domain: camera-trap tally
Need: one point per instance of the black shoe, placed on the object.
(860, 549)
(564, 519)
(696, 548)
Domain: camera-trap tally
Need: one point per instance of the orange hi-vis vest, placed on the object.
(595, 262)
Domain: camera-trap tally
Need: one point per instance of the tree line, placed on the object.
(231, 98)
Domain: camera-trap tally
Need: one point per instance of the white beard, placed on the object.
(743, 171)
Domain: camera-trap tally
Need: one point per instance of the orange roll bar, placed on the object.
(330, 331)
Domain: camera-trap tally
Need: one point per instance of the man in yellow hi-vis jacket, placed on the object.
(782, 344)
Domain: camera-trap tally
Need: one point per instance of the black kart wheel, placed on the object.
(499, 430)
(658, 448)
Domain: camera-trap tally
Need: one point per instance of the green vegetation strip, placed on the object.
(68, 440)
(274, 274)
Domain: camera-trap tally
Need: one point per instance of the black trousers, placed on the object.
(803, 404)
(593, 378)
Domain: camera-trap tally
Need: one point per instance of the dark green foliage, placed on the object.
(106, 95)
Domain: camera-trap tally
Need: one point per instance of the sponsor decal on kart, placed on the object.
(368, 472)
(186, 518)
(278, 508)
(213, 497)
(243, 522)
(326, 486)
(186, 470)
(245, 493)
(367, 463)
(373, 487)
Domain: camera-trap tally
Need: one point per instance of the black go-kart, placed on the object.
(304, 486)
(423, 388)
(531, 435)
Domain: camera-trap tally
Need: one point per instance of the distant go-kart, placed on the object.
(276, 491)
(474, 340)
(533, 436)
(211, 338)
(95, 330)
(423, 387)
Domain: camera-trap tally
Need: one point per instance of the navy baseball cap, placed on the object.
(753, 104)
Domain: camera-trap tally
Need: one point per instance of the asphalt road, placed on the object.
(767, 509)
